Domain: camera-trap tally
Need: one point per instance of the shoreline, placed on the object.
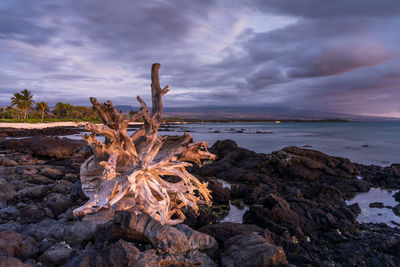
(43, 125)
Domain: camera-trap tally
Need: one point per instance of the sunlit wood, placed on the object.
(131, 172)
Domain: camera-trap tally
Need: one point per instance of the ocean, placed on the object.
(362, 142)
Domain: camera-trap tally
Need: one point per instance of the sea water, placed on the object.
(362, 142)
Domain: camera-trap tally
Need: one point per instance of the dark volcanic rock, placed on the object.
(120, 253)
(380, 176)
(44, 146)
(311, 164)
(177, 239)
(298, 197)
(223, 231)
(56, 255)
(397, 196)
(15, 132)
(378, 205)
(6, 162)
(251, 250)
(16, 245)
(14, 262)
(32, 213)
(51, 173)
(396, 210)
(58, 203)
(220, 195)
(6, 190)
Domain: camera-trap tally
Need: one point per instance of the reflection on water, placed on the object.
(235, 214)
(372, 214)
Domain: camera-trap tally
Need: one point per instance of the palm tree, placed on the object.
(17, 101)
(42, 106)
(23, 100)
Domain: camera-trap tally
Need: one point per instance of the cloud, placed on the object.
(337, 60)
(334, 56)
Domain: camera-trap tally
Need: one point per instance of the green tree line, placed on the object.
(23, 108)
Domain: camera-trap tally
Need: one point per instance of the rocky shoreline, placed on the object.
(297, 212)
(53, 131)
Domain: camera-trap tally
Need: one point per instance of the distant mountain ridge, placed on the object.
(254, 113)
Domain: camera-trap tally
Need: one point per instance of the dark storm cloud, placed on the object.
(334, 56)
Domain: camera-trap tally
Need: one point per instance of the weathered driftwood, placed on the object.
(143, 172)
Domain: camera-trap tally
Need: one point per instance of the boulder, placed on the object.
(76, 233)
(120, 253)
(378, 205)
(33, 192)
(223, 231)
(17, 245)
(9, 213)
(56, 255)
(58, 203)
(397, 196)
(251, 250)
(6, 162)
(6, 190)
(311, 164)
(280, 210)
(51, 173)
(13, 262)
(167, 239)
(396, 209)
(220, 194)
(31, 213)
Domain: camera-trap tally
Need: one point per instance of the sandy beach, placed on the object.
(24, 125)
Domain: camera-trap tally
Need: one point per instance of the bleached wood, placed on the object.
(131, 173)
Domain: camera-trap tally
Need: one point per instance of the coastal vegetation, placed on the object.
(22, 108)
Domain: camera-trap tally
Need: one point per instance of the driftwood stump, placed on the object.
(143, 172)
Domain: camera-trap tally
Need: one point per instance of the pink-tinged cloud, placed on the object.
(341, 59)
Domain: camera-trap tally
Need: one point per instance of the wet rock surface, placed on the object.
(297, 213)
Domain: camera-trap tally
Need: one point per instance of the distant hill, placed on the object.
(254, 114)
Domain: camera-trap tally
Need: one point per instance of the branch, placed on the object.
(107, 112)
(156, 93)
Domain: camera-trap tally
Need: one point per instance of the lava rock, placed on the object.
(56, 255)
(7, 162)
(58, 203)
(396, 209)
(251, 250)
(17, 245)
(223, 231)
(220, 194)
(6, 190)
(51, 173)
(397, 196)
(31, 213)
(378, 205)
(45, 146)
(33, 192)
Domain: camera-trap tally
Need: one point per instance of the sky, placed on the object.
(329, 56)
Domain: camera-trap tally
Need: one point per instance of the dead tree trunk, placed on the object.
(130, 172)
